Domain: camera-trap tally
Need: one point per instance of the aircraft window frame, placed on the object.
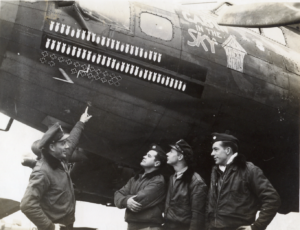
(118, 28)
(159, 16)
(260, 32)
(263, 34)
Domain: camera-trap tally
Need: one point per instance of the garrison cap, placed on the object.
(224, 137)
(54, 134)
(183, 147)
(157, 148)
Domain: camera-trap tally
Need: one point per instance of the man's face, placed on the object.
(173, 157)
(59, 150)
(219, 153)
(149, 160)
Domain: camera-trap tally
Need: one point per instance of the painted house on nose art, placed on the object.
(235, 54)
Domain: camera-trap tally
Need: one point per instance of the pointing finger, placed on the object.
(86, 110)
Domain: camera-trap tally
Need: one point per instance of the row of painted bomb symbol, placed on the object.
(114, 64)
(112, 43)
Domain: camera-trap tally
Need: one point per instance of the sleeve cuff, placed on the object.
(80, 124)
(51, 227)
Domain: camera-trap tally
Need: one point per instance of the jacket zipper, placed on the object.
(219, 197)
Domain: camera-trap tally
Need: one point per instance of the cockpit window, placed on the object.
(109, 12)
(156, 26)
(274, 33)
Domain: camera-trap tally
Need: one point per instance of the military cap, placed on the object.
(182, 147)
(54, 134)
(157, 148)
(224, 137)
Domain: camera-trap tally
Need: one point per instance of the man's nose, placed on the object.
(212, 153)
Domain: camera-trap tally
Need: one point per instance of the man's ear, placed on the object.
(228, 150)
(180, 157)
(157, 163)
(51, 147)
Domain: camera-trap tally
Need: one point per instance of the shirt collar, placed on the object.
(180, 173)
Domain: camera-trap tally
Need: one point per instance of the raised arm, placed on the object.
(75, 134)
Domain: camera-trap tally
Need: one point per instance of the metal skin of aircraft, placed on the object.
(151, 75)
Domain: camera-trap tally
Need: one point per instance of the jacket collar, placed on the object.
(148, 175)
(239, 162)
(187, 175)
(52, 161)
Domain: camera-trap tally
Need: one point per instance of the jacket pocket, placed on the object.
(57, 197)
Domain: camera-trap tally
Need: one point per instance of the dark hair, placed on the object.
(232, 145)
(162, 158)
(188, 157)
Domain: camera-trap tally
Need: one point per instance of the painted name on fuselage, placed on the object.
(206, 34)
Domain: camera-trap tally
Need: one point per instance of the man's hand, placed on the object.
(58, 226)
(248, 227)
(133, 205)
(85, 116)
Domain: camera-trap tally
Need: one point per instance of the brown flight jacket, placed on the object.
(244, 191)
(185, 202)
(49, 197)
(150, 192)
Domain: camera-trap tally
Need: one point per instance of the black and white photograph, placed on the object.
(149, 115)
